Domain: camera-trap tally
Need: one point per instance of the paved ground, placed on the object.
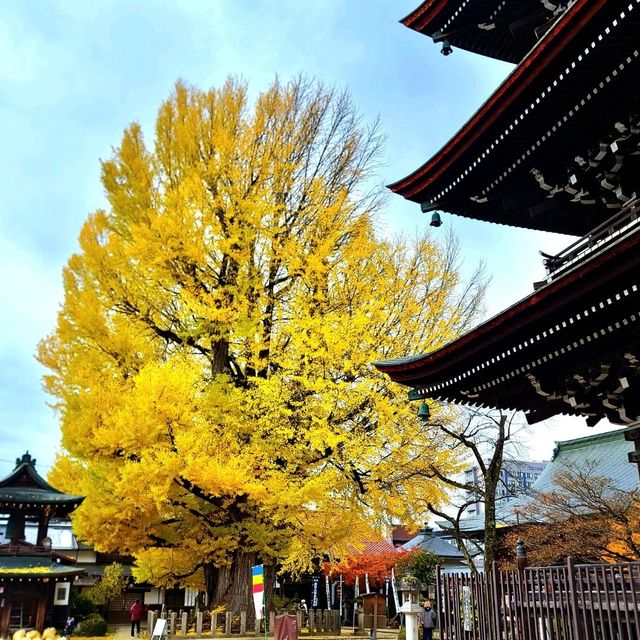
(123, 632)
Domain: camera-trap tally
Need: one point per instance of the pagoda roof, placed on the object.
(501, 29)
(555, 147)
(25, 486)
(571, 347)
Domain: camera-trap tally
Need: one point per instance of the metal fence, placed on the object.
(567, 602)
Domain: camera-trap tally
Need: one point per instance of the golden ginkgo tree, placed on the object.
(211, 361)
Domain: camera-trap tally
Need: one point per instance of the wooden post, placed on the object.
(521, 564)
(439, 599)
(495, 601)
(4, 613)
(374, 628)
(41, 606)
(243, 622)
(573, 600)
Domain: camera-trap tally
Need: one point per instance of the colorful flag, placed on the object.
(257, 581)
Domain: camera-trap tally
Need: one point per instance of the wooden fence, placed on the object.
(316, 623)
(567, 602)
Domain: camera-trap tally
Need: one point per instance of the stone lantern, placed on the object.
(409, 589)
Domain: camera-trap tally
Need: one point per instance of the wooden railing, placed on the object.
(625, 222)
(568, 602)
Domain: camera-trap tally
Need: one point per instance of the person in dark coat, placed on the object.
(427, 620)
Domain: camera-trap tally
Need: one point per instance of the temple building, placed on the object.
(555, 148)
(35, 581)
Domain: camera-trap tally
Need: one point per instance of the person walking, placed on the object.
(136, 617)
(69, 625)
(427, 620)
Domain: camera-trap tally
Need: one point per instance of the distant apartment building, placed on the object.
(517, 476)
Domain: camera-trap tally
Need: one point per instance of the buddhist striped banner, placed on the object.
(257, 581)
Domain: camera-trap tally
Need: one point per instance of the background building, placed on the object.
(517, 477)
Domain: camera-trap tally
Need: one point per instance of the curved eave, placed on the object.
(35, 567)
(42, 576)
(595, 273)
(482, 27)
(552, 45)
(36, 499)
(424, 15)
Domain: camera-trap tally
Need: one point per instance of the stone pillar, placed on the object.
(184, 623)
(214, 623)
(227, 623)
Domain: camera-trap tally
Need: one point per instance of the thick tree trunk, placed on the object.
(231, 586)
(269, 581)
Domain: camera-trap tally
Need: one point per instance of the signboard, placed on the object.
(160, 629)
(466, 609)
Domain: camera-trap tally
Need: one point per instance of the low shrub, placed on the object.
(93, 625)
(81, 605)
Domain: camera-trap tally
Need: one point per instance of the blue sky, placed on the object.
(73, 74)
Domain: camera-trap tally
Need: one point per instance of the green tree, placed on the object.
(211, 361)
(110, 585)
(419, 563)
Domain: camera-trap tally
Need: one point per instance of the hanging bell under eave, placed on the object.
(435, 220)
(446, 50)
(423, 412)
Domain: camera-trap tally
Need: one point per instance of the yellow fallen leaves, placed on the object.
(49, 633)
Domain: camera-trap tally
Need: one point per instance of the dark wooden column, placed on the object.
(633, 435)
(5, 611)
(41, 608)
(43, 524)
